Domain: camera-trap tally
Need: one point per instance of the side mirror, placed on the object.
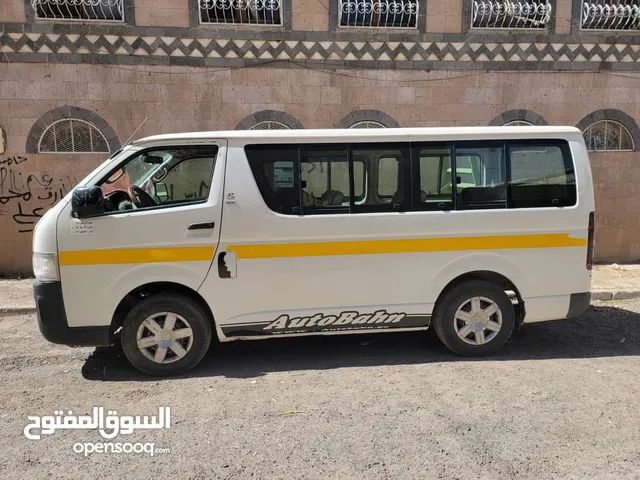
(87, 202)
(161, 191)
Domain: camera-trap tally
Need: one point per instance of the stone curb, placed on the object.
(614, 294)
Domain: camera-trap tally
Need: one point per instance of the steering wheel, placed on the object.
(142, 197)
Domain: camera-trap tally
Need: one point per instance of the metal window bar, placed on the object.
(508, 14)
(92, 10)
(379, 13)
(518, 123)
(72, 136)
(610, 15)
(239, 12)
(367, 124)
(269, 125)
(608, 136)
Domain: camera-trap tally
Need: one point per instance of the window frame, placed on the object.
(286, 19)
(128, 16)
(481, 144)
(404, 177)
(217, 147)
(411, 178)
(349, 147)
(416, 187)
(569, 161)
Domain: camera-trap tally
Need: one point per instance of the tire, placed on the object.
(163, 308)
(451, 331)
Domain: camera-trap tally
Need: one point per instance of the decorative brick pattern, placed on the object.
(417, 55)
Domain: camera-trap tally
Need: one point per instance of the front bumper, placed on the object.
(52, 319)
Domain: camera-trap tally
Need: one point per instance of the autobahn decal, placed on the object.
(346, 320)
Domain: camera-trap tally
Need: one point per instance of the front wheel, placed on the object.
(166, 334)
(475, 318)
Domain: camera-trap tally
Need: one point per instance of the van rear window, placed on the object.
(542, 175)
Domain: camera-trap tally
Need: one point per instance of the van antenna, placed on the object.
(134, 132)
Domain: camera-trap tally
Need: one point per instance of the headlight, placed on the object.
(45, 267)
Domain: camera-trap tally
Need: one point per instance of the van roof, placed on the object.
(377, 134)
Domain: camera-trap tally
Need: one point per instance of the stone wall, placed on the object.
(175, 99)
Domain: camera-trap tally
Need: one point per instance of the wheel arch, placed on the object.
(493, 277)
(156, 288)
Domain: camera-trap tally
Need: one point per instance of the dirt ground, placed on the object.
(560, 401)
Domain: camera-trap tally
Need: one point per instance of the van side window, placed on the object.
(275, 169)
(161, 177)
(387, 177)
(390, 177)
(542, 175)
(324, 175)
(434, 171)
(480, 175)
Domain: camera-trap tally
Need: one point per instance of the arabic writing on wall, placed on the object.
(26, 196)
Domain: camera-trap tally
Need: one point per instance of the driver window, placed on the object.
(169, 176)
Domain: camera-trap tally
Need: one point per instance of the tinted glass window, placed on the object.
(480, 177)
(274, 168)
(387, 177)
(389, 191)
(541, 176)
(325, 180)
(434, 164)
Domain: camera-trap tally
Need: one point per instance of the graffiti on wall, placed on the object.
(27, 196)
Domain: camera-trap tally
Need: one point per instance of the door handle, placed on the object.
(202, 226)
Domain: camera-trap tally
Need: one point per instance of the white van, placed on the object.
(261, 234)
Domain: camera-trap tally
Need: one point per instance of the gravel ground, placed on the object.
(560, 401)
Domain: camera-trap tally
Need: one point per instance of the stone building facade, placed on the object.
(79, 79)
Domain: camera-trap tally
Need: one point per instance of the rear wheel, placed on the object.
(474, 318)
(166, 334)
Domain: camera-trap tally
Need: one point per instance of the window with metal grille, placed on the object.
(110, 10)
(521, 14)
(251, 12)
(518, 123)
(610, 15)
(72, 136)
(270, 125)
(367, 124)
(378, 13)
(608, 136)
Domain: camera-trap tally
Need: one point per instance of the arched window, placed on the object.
(367, 119)
(269, 120)
(367, 124)
(68, 130)
(270, 125)
(518, 123)
(518, 118)
(608, 136)
(72, 136)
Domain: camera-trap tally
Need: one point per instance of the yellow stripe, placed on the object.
(136, 255)
(279, 250)
(316, 249)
